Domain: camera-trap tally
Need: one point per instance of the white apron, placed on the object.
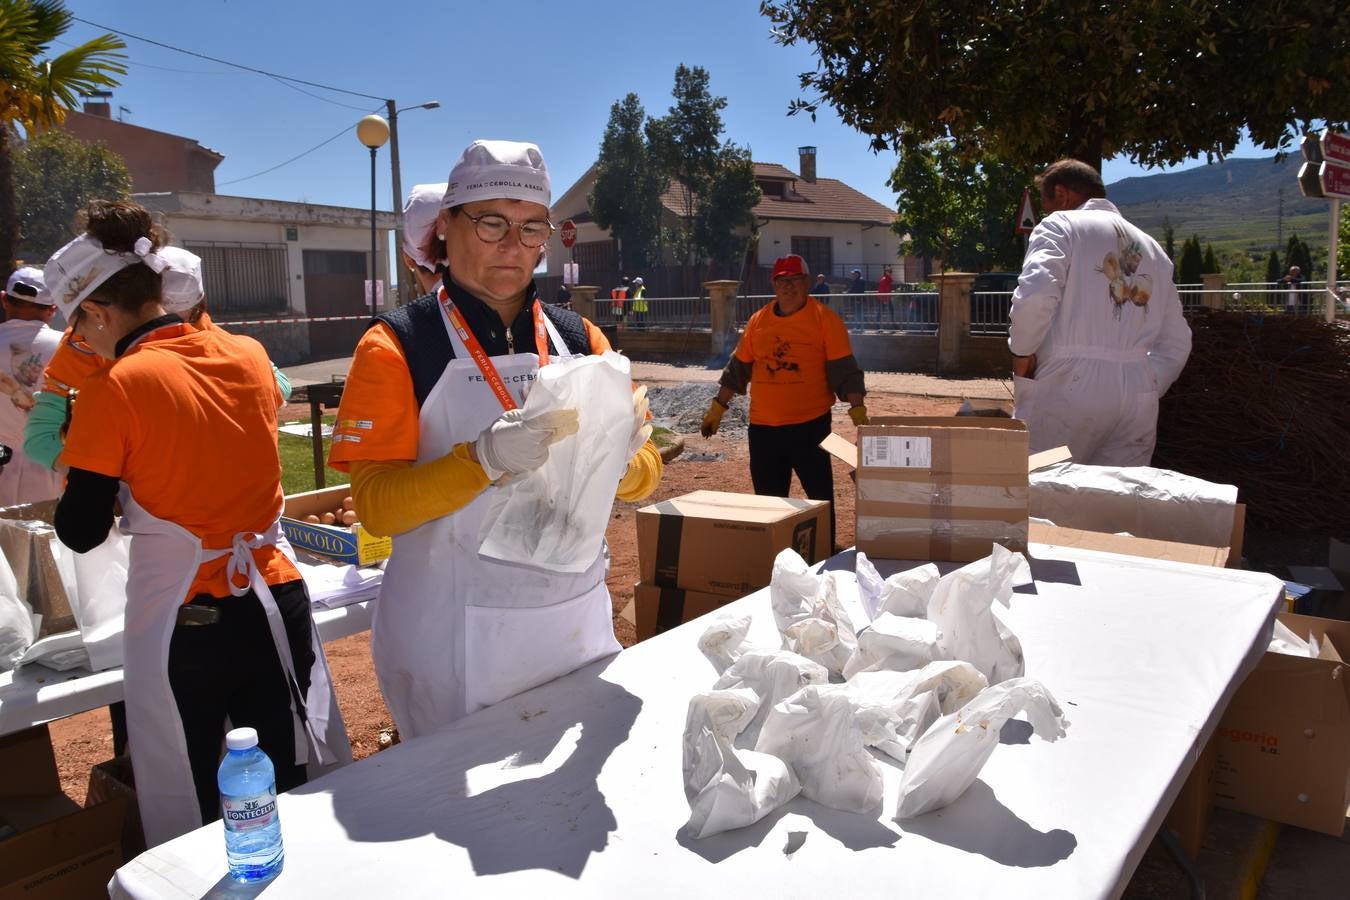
(453, 631)
(164, 559)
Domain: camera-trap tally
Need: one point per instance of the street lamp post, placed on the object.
(373, 132)
(405, 285)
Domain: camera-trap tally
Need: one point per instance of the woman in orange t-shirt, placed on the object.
(218, 622)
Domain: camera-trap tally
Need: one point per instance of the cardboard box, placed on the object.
(941, 489)
(1284, 743)
(114, 780)
(725, 544)
(50, 849)
(658, 609)
(1190, 812)
(1130, 546)
(344, 543)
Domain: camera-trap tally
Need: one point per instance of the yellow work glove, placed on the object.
(713, 419)
(858, 414)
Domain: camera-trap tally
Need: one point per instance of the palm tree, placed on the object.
(36, 92)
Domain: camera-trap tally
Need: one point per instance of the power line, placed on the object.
(279, 165)
(226, 62)
(293, 87)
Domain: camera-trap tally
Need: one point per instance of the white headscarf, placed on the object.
(77, 269)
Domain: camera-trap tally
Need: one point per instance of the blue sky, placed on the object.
(529, 70)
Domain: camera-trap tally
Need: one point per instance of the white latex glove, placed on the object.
(514, 444)
(642, 429)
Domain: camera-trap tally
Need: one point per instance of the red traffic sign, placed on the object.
(1336, 147)
(1335, 181)
(1026, 216)
(568, 233)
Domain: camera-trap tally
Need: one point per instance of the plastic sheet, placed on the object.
(728, 788)
(947, 759)
(554, 517)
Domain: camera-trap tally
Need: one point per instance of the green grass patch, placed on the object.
(297, 463)
(662, 437)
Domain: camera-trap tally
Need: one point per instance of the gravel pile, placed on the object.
(681, 409)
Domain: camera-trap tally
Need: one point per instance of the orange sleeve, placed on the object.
(102, 428)
(70, 368)
(837, 344)
(599, 343)
(378, 416)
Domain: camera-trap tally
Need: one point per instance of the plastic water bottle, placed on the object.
(248, 800)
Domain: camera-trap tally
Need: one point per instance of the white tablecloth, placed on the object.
(36, 694)
(574, 788)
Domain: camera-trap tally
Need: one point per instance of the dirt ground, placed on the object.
(83, 741)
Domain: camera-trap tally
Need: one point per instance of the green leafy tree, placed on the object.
(1273, 270)
(1158, 82)
(55, 175)
(628, 185)
(956, 210)
(1210, 265)
(1192, 262)
(725, 223)
(1296, 253)
(36, 91)
(1343, 248)
(1169, 238)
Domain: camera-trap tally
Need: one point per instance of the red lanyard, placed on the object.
(480, 357)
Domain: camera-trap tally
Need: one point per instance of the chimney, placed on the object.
(807, 167)
(98, 103)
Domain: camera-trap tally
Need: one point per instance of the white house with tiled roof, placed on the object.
(836, 228)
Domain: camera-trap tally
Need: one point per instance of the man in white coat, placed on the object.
(1096, 331)
(26, 346)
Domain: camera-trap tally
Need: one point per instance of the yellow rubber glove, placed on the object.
(713, 419)
(858, 414)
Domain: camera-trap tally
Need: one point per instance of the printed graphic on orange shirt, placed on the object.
(1124, 280)
(780, 358)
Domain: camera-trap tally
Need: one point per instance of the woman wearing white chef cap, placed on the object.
(430, 423)
(423, 250)
(181, 429)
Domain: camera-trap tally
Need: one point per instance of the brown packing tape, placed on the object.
(957, 494)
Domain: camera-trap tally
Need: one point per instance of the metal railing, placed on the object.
(902, 311)
(655, 312)
(989, 311)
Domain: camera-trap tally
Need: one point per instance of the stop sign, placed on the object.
(568, 233)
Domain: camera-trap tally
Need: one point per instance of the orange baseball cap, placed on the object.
(792, 264)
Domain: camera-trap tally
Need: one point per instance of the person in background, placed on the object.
(855, 282)
(639, 301)
(1096, 328)
(563, 298)
(794, 357)
(884, 295)
(27, 344)
(181, 430)
(430, 428)
(619, 296)
(821, 290)
(1293, 283)
(423, 252)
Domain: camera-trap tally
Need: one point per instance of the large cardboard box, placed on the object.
(344, 543)
(1284, 743)
(941, 488)
(720, 543)
(1130, 546)
(50, 849)
(658, 609)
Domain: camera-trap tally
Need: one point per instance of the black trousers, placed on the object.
(231, 669)
(776, 451)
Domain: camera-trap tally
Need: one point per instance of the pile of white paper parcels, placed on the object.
(929, 682)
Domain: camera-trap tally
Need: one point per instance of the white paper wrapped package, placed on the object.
(1141, 501)
(897, 643)
(903, 594)
(728, 788)
(823, 733)
(774, 675)
(723, 642)
(793, 589)
(554, 517)
(916, 699)
(826, 636)
(947, 759)
(961, 609)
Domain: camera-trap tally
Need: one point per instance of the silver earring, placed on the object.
(100, 327)
(439, 236)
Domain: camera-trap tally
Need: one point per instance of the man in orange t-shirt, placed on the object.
(797, 353)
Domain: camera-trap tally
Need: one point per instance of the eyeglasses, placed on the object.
(493, 229)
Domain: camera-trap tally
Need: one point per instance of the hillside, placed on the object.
(1234, 204)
